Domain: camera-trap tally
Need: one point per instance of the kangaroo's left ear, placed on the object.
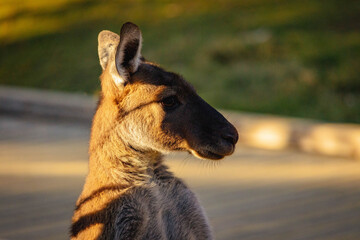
(107, 44)
(128, 52)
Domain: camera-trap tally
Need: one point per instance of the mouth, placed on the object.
(212, 155)
(208, 155)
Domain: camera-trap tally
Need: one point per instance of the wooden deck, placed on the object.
(254, 194)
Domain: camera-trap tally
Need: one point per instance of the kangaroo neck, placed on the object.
(112, 160)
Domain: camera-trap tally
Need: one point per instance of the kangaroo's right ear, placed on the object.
(128, 52)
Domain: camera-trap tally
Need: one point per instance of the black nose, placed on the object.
(231, 136)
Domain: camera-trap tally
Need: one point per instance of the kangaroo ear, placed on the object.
(128, 52)
(107, 43)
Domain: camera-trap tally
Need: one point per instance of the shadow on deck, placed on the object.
(254, 194)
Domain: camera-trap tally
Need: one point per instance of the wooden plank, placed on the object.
(321, 202)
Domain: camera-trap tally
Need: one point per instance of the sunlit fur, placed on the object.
(129, 193)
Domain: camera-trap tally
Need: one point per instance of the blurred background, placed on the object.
(291, 57)
(286, 71)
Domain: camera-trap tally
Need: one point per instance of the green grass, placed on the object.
(290, 57)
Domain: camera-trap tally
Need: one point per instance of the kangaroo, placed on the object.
(143, 113)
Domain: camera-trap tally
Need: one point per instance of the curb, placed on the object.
(43, 103)
(310, 136)
(255, 130)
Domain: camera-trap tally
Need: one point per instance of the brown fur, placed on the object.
(143, 113)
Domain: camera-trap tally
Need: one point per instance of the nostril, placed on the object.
(230, 137)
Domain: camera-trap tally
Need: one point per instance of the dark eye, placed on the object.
(170, 102)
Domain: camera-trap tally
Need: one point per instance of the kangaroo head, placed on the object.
(152, 110)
